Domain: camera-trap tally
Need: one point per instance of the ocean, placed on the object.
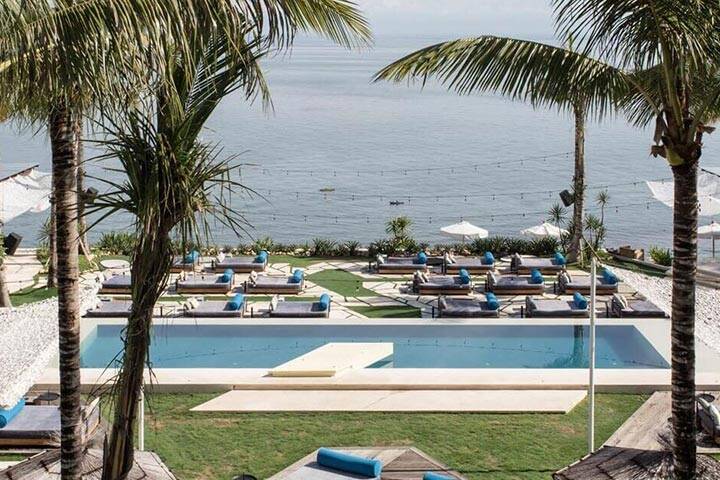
(337, 156)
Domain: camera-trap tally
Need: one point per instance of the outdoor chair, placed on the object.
(286, 285)
(623, 307)
(555, 308)
(424, 284)
(468, 307)
(523, 265)
(569, 284)
(474, 265)
(243, 264)
(514, 285)
(287, 309)
(234, 307)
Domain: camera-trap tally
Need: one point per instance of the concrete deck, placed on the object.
(333, 358)
(487, 401)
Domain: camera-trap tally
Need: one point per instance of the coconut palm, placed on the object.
(602, 199)
(657, 60)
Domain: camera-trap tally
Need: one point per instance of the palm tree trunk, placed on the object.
(685, 218)
(79, 155)
(65, 192)
(52, 243)
(578, 182)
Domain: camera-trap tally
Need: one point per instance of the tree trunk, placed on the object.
(151, 263)
(578, 183)
(685, 219)
(4, 291)
(65, 193)
(52, 242)
(79, 155)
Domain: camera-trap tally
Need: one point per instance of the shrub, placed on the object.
(352, 247)
(117, 243)
(265, 243)
(502, 246)
(322, 247)
(661, 256)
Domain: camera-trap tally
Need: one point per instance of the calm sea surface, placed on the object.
(484, 159)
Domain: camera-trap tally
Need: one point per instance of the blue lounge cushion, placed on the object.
(236, 302)
(580, 301)
(192, 257)
(609, 277)
(297, 276)
(536, 277)
(345, 462)
(436, 476)
(492, 301)
(488, 258)
(324, 301)
(421, 258)
(559, 258)
(227, 275)
(261, 257)
(6, 415)
(464, 277)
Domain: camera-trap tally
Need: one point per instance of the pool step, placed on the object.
(333, 358)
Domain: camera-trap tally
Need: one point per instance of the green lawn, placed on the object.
(204, 445)
(301, 262)
(341, 282)
(388, 312)
(32, 294)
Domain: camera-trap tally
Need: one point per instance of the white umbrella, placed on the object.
(544, 230)
(464, 231)
(710, 231)
(708, 186)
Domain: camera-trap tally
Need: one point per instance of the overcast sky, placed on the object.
(452, 18)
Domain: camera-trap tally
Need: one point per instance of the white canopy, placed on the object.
(26, 191)
(544, 230)
(708, 193)
(464, 231)
(709, 231)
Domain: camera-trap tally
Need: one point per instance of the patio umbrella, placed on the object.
(710, 231)
(544, 230)
(464, 231)
(708, 186)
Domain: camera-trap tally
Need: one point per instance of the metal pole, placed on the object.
(141, 421)
(591, 383)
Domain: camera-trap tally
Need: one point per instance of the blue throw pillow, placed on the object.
(261, 257)
(345, 462)
(580, 301)
(559, 258)
(609, 277)
(489, 258)
(6, 415)
(297, 276)
(435, 476)
(227, 275)
(536, 277)
(492, 301)
(236, 302)
(421, 258)
(464, 277)
(324, 301)
(192, 257)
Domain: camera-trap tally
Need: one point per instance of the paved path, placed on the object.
(21, 269)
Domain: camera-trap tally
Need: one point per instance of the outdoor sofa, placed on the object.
(116, 284)
(206, 283)
(622, 307)
(186, 263)
(242, 264)
(106, 308)
(557, 308)
(232, 308)
(469, 307)
(285, 285)
(424, 284)
(552, 265)
(289, 309)
(474, 265)
(401, 265)
(514, 285)
(606, 284)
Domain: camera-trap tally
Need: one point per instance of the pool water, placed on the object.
(415, 346)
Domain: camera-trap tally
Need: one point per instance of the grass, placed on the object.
(302, 262)
(205, 445)
(388, 312)
(31, 295)
(341, 282)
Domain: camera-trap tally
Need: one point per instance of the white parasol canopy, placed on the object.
(710, 231)
(464, 231)
(25, 191)
(708, 192)
(546, 229)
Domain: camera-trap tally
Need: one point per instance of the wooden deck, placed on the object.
(649, 428)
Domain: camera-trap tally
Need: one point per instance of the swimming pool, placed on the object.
(415, 346)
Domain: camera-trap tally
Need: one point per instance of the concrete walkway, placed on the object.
(21, 269)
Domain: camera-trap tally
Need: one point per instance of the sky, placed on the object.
(454, 18)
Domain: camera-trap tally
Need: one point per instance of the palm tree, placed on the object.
(398, 227)
(602, 199)
(658, 62)
(557, 214)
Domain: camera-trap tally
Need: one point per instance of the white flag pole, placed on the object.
(591, 383)
(141, 420)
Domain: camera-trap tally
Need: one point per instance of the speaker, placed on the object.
(567, 198)
(11, 243)
(89, 195)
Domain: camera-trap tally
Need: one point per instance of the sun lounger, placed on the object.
(401, 265)
(512, 285)
(39, 426)
(116, 284)
(285, 285)
(552, 308)
(474, 265)
(523, 265)
(708, 416)
(205, 283)
(111, 309)
(247, 264)
(287, 309)
(621, 306)
(234, 307)
(581, 283)
(424, 284)
(186, 263)
(466, 308)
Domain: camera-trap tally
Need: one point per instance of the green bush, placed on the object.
(322, 247)
(116, 243)
(661, 256)
(502, 246)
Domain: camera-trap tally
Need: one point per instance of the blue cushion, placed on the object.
(227, 275)
(489, 259)
(324, 301)
(297, 276)
(236, 302)
(464, 277)
(421, 258)
(609, 277)
(345, 462)
(435, 476)
(191, 257)
(580, 301)
(536, 277)
(559, 258)
(6, 415)
(261, 257)
(492, 301)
